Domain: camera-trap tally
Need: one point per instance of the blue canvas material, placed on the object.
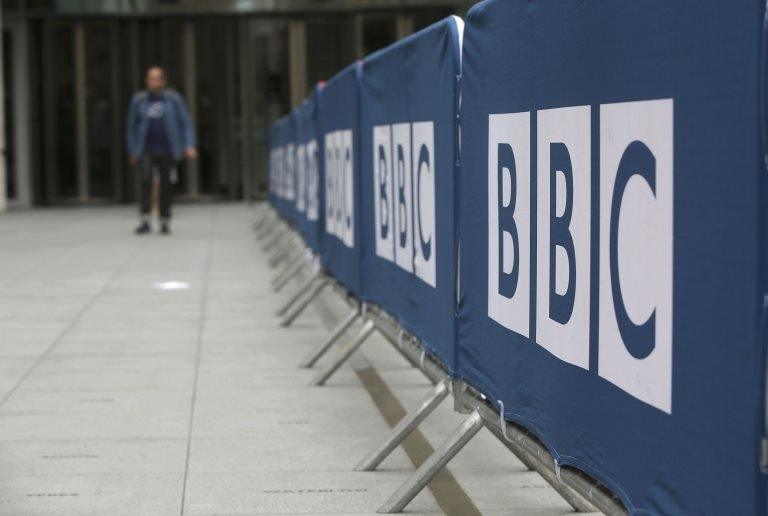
(409, 96)
(612, 221)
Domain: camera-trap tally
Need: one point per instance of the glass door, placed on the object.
(101, 113)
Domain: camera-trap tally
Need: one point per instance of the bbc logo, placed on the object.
(404, 197)
(340, 186)
(634, 243)
(307, 180)
(281, 167)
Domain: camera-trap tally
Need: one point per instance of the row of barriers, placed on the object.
(558, 213)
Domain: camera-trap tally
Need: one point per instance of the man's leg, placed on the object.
(145, 169)
(166, 193)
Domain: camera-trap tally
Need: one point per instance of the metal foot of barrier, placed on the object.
(406, 425)
(277, 233)
(337, 332)
(531, 454)
(537, 458)
(268, 227)
(277, 250)
(432, 466)
(299, 294)
(580, 493)
(262, 215)
(264, 233)
(344, 353)
(293, 268)
(294, 313)
(281, 253)
(273, 239)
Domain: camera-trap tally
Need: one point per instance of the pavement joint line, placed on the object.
(199, 349)
(447, 491)
(72, 323)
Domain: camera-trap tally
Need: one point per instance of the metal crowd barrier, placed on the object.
(581, 492)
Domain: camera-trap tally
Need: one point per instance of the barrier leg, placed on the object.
(535, 462)
(295, 257)
(267, 230)
(262, 215)
(432, 466)
(280, 254)
(290, 271)
(273, 240)
(302, 290)
(259, 212)
(404, 428)
(293, 314)
(274, 231)
(344, 353)
(337, 332)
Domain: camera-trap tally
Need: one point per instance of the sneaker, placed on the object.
(143, 228)
(165, 229)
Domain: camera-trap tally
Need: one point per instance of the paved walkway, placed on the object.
(117, 397)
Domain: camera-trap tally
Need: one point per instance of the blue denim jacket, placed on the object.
(181, 133)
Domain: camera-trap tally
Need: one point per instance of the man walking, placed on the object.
(159, 134)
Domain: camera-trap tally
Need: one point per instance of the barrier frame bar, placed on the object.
(274, 237)
(291, 269)
(262, 213)
(432, 466)
(267, 229)
(405, 426)
(316, 282)
(583, 493)
(356, 308)
(329, 341)
(388, 328)
(290, 315)
(284, 246)
(344, 352)
(315, 276)
(283, 250)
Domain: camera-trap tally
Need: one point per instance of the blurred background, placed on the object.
(70, 67)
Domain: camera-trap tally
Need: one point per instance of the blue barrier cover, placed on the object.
(282, 165)
(308, 173)
(274, 165)
(272, 143)
(613, 240)
(337, 118)
(409, 151)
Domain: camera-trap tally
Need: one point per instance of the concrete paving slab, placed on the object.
(61, 457)
(124, 425)
(143, 493)
(101, 401)
(338, 492)
(117, 397)
(317, 451)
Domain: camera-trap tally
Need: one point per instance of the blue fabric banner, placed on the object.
(282, 157)
(337, 118)
(409, 152)
(308, 173)
(613, 240)
(274, 165)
